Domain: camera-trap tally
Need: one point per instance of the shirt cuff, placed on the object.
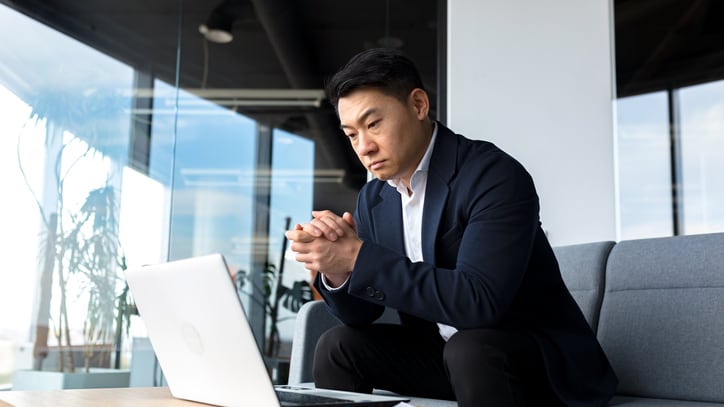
(329, 287)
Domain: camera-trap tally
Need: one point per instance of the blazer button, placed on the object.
(370, 292)
(379, 295)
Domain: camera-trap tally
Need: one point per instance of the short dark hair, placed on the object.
(385, 69)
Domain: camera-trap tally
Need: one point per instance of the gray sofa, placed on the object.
(656, 305)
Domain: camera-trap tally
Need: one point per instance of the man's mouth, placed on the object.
(376, 164)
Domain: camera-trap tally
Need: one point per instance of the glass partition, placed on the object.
(65, 145)
(108, 164)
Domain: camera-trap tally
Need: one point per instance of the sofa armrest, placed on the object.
(583, 268)
(313, 319)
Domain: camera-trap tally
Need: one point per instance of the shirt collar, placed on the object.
(423, 166)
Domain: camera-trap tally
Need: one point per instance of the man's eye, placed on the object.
(373, 124)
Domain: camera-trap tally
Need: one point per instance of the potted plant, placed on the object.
(272, 295)
(81, 257)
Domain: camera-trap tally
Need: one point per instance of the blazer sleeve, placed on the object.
(351, 310)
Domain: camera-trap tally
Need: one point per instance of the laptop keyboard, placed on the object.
(288, 398)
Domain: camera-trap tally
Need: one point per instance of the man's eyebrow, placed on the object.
(362, 117)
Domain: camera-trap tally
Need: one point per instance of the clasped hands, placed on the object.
(328, 244)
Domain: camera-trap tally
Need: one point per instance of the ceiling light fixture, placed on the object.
(218, 27)
(238, 97)
(261, 97)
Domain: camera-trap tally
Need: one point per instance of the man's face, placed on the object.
(387, 134)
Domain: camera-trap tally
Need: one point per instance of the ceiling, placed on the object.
(662, 44)
(298, 44)
(277, 44)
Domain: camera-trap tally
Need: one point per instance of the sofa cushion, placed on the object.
(582, 268)
(662, 317)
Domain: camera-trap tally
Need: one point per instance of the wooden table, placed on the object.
(120, 397)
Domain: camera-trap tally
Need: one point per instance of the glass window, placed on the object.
(644, 166)
(685, 72)
(19, 214)
(292, 189)
(175, 175)
(702, 144)
(65, 143)
(212, 168)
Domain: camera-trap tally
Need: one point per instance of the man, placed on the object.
(448, 234)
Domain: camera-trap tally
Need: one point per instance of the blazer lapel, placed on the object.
(388, 218)
(442, 167)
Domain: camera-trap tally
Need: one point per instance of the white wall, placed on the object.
(535, 78)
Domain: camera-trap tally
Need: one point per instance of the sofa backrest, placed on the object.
(662, 317)
(583, 269)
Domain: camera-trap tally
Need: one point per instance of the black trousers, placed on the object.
(478, 367)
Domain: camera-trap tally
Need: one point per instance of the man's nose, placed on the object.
(365, 144)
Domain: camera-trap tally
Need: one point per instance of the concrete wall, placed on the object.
(536, 78)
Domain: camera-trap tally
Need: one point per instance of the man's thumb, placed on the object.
(350, 220)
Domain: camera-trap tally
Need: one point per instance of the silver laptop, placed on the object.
(204, 343)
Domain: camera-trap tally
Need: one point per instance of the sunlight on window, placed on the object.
(143, 225)
(67, 87)
(702, 127)
(143, 219)
(644, 166)
(19, 215)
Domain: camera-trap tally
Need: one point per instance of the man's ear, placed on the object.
(420, 102)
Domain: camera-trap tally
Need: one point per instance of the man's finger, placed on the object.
(327, 227)
(299, 236)
(326, 212)
(349, 219)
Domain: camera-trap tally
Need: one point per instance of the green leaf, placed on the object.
(293, 298)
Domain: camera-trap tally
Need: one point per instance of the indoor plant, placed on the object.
(271, 294)
(81, 259)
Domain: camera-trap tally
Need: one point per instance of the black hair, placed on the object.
(385, 69)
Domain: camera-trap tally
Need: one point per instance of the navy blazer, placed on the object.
(487, 264)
